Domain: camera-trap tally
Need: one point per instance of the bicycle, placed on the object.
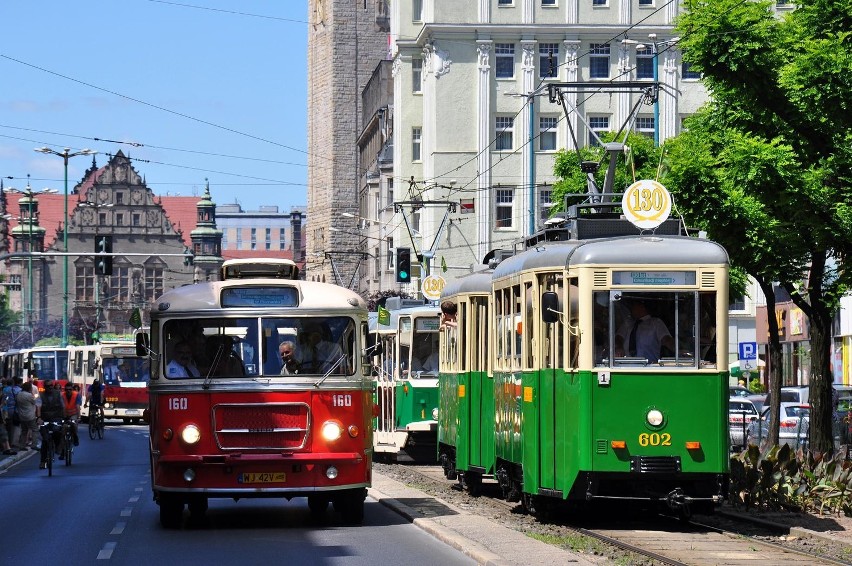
(48, 444)
(96, 422)
(68, 442)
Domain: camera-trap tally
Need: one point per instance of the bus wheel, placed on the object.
(197, 506)
(352, 506)
(171, 511)
(317, 505)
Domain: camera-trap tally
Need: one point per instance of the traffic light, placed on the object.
(403, 265)
(103, 264)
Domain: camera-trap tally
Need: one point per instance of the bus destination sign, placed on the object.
(653, 278)
(259, 297)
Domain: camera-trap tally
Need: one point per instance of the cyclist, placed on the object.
(95, 398)
(72, 401)
(49, 408)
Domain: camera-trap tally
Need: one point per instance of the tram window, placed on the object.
(601, 338)
(707, 327)
(238, 352)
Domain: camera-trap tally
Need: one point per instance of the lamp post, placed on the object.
(65, 155)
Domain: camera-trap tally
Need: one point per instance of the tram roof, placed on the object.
(626, 250)
(479, 282)
(206, 296)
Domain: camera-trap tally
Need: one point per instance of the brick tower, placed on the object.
(346, 40)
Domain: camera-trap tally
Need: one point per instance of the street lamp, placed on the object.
(65, 155)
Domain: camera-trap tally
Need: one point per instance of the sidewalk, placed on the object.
(483, 540)
(6, 461)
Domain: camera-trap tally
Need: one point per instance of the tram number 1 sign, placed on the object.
(646, 204)
(432, 287)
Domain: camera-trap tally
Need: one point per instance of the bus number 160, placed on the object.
(342, 400)
(177, 404)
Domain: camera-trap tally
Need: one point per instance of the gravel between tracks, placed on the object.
(830, 537)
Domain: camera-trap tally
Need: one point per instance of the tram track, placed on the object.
(634, 539)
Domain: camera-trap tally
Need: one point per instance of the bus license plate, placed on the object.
(263, 477)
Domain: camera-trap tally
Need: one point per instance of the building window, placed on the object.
(599, 2)
(417, 10)
(119, 284)
(504, 126)
(102, 219)
(544, 203)
(503, 204)
(390, 192)
(416, 134)
(15, 283)
(136, 219)
(119, 219)
(547, 133)
(548, 2)
(282, 238)
(645, 125)
(417, 75)
(391, 259)
(504, 2)
(119, 197)
(153, 282)
(548, 60)
(268, 239)
(239, 239)
(645, 64)
(505, 54)
(253, 239)
(646, 2)
(85, 282)
(377, 260)
(599, 125)
(599, 60)
(687, 73)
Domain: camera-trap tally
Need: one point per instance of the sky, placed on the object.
(194, 90)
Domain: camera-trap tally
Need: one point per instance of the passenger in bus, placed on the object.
(449, 313)
(289, 364)
(182, 364)
(643, 335)
(123, 373)
(319, 355)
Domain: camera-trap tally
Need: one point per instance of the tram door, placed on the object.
(481, 395)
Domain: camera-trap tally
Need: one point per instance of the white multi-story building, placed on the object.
(472, 120)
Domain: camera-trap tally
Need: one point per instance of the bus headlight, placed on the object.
(331, 430)
(654, 417)
(190, 434)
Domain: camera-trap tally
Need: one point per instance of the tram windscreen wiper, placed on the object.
(330, 370)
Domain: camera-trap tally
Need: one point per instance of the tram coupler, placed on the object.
(676, 500)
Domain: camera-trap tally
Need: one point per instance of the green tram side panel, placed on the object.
(565, 423)
(415, 402)
(466, 419)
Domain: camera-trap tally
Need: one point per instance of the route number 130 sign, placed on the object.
(646, 204)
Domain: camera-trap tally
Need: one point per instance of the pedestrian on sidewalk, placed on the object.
(26, 407)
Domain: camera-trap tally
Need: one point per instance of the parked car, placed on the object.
(738, 391)
(741, 411)
(758, 400)
(793, 429)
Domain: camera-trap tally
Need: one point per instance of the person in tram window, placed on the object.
(222, 357)
(449, 314)
(318, 354)
(182, 364)
(289, 364)
(643, 335)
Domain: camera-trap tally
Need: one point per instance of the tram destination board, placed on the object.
(256, 296)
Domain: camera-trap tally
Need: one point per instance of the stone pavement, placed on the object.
(483, 540)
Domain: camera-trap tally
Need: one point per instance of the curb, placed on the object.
(797, 531)
(448, 536)
(10, 461)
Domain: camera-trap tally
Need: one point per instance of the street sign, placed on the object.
(432, 287)
(748, 350)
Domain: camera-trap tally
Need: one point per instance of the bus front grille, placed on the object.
(261, 426)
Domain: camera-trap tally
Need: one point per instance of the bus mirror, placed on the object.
(143, 344)
(549, 307)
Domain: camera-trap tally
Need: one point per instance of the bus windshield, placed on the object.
(50, 364)
(126, 372)
(270, 346)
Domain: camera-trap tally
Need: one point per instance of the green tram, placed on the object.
(406, 381)
(581, 413)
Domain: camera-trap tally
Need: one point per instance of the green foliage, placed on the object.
(755, 386)
(780, 479)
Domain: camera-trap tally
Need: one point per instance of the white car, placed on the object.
(741, 412)
(793, 429)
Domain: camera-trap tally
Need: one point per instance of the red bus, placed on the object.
(225, 422)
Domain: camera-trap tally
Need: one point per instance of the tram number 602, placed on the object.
(178, 404)
(655, 439)
(342, 400)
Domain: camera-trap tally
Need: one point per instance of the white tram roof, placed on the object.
(259, 267)
(206, 296)
(473, 283)
(626, 250)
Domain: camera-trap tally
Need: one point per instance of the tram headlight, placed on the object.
(331, 430)
(190, 434)
(654, 417)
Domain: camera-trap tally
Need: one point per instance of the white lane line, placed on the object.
(138, 488)
(133, 499)
(126, 512)
(118, 528)
(106, 551)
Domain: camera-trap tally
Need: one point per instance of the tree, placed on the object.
(766, 168)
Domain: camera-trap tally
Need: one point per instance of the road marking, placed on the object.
(106, 551)
(133, 499)
(118, 528)
(126, 512)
